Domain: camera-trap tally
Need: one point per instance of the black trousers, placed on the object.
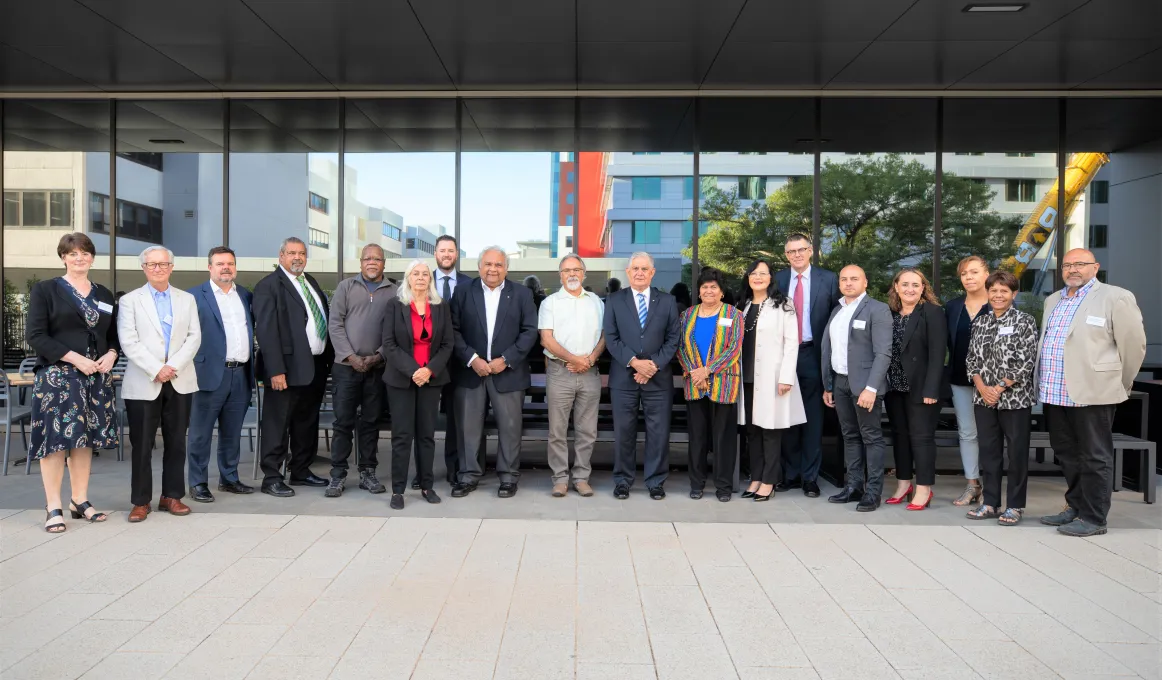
(358, 397)
(803, 444)
(1083, 442)
(290, 422)
(914, 437)
(713, 427)
(413, 423)
(765, 446)
(171, 411)
(657, 407)
(993, 428)
(863, 438)
(451, 439)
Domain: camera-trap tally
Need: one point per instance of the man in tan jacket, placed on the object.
(1092, 345)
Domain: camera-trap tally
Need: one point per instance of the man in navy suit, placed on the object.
(814, 292)
(642, 334)
(495, 323)
(446, 280)
(225, 369)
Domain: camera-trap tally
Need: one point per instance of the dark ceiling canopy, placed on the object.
(347, 45)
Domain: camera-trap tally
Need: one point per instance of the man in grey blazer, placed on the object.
(857, 348)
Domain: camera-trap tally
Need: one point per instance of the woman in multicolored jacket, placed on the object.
(709, 353)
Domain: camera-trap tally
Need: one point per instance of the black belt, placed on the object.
(809, 343)
(235, 364)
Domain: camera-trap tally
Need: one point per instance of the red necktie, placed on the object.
(798, 302)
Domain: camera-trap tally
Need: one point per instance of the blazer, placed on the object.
(55, 326)
(210, 361)
(513, 336)
(922, 351)
(869, 349)
(139, 329)
(724, 355)
(776, 359)
(398, 344)
(626, 339)
(1105, 346)
(280, 324)
(824, 297)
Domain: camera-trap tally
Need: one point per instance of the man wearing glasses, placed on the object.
(814, 292)
(355, 324)
(1092, 345)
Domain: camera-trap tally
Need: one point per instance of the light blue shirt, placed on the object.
(806, 311)
(164, 306)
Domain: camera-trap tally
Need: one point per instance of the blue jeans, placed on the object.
(966, 427)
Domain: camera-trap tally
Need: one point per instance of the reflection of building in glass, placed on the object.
(527, 249)
(420, 241)
(562, 194)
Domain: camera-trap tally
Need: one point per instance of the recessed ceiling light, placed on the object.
(166, 141)
(996, 7)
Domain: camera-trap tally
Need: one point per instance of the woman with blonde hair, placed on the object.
(960, 313)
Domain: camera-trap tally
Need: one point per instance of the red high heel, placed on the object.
(900, 499)
(913, 506)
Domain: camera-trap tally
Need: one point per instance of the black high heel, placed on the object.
(78, 512)
(747, 494)
(54, 528)
(760, 499)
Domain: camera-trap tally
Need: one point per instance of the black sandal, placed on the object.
(78, 512)
(55, 527)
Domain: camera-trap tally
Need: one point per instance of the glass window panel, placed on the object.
(647, 188)
(61, 209)
(34, 209)
(11, 209)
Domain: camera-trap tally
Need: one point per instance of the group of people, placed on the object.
(798, 340)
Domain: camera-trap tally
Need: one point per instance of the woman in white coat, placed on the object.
(771, 400)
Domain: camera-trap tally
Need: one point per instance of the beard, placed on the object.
(573, 283)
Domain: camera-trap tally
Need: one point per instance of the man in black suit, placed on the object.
(814, 292)
(642, 334)
(495, 325)
(291, 326)
(446, 280)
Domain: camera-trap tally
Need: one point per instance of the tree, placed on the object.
(875, 212)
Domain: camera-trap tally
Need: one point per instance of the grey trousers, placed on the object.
(579, 393)
(863, 438)
(471, 403)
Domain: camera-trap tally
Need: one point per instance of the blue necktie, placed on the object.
(641, 309)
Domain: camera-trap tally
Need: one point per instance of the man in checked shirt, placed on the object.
(1092, 345)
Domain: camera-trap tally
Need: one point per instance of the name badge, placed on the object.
(859, 323)
(1095, 321)
(168, 319)
(725, 322)
(105, 307)
(1005, 330)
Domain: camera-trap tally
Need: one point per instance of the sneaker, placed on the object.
(335, 488)
(583, 488)
(368, 482)
(1060, 519)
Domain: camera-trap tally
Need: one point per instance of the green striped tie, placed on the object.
(316, 313)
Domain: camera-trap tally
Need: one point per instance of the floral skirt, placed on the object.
(71, 410)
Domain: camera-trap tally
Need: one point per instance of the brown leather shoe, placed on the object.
(559, 490)
(173, 506)
(139, 513)
(583, 488)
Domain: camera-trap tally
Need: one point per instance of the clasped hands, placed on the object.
(89, 366)
(644, 370)
(364, 364)
(486, 368)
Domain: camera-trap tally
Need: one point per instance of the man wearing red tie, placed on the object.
(814, 292)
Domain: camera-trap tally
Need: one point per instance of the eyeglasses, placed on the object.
(1070, 266)
(158, 265)
(798, 251)
(575, 270)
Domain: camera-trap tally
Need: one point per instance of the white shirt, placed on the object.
(840, 329)
(806, 311)
(491, 305)
(233, 321)
(317, 344)
(574, 319)
(440, 282)
(645, 293)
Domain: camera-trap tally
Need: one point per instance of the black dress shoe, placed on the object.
(789, 484)
(416, 484)
(506, 490)
(848, 495)
(235, 487)
(310, 480)
(695, 493)
(724, 496)
(430, 495)
(278, 489)
(868, 503)
(621, 492)
(460, 490)
(396, 501)
(657, 493)
(811, 489)
(201, 493)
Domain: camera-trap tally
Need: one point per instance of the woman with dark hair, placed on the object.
(771, 400)
(1002, 356)
(709, 351)
(681, 293)
(72, 328)
(915, 375)
(960, 313)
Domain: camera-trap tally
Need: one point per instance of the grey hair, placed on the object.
(405, 294)
(151, 249)
(289, 240)
(497, 249)
(642, 253)
(572, 256)
(373, 245)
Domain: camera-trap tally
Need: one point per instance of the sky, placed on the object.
(504, 197)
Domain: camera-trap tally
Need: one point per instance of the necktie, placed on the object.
(641, 309)
(447, 292)
(316, 313)
(798, 302)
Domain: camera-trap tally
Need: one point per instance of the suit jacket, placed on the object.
(513, 336)
(398, 344)
(210, 361)
(824, 293)
(626, 339)
(869, 349)
(142, 341)
(724, 355)
(56, 327)
(1105, 346)
(280, 324)
(922, 352)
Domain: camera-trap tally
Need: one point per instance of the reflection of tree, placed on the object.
(875, 212)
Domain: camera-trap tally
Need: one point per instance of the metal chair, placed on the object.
(27, 372)
(119, 413)
(13, 413)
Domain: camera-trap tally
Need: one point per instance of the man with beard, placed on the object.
(570, 323)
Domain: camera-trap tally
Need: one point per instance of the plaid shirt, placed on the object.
(1053, 389)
